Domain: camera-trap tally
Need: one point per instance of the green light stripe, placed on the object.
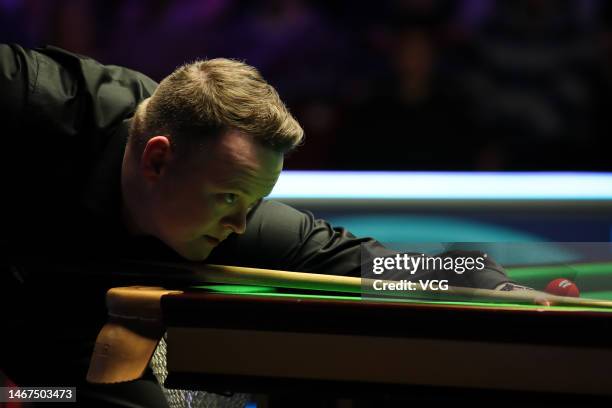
(557, 271)
(603, 295)
(432, 302)
(236, 289)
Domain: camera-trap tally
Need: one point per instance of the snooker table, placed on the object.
(262, 339)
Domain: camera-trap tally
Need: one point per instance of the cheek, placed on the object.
(195, 215)
(183, 214)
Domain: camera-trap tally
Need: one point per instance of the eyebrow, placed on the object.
(243, 187)
(240, 183)
(237, 187)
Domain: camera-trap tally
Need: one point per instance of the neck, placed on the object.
(129, 220)
(130, 193)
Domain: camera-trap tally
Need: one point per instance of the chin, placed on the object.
(192, 254)
(195, 256)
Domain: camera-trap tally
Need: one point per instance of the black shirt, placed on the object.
(68, 117)
(65, 121)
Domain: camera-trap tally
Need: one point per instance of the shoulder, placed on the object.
(274, 232)
(18, 74)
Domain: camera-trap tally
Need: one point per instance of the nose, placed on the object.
(235, 221)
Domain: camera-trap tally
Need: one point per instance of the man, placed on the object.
(102, 164)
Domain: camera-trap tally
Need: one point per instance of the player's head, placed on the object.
(205, 147)
(203, 99)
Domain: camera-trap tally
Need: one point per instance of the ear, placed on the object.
(156, 157)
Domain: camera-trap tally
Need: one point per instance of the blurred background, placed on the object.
(385, 85)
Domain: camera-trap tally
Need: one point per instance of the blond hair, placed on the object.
(205, 98)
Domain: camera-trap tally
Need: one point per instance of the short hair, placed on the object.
(205, 98)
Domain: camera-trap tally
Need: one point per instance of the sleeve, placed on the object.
(66, 94)
(17, 76)
(281, 237)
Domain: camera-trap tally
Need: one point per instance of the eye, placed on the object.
(229, 198)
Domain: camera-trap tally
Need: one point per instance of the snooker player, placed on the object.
(102, 163)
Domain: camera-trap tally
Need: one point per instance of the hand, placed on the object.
(509, 286)
(539, 298)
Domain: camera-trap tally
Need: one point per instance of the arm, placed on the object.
(280, 237)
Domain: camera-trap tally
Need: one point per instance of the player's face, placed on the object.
(199, 202)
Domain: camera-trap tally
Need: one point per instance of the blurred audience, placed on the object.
(531, 70)
(390, 85)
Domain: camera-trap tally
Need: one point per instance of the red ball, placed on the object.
(562, 287)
